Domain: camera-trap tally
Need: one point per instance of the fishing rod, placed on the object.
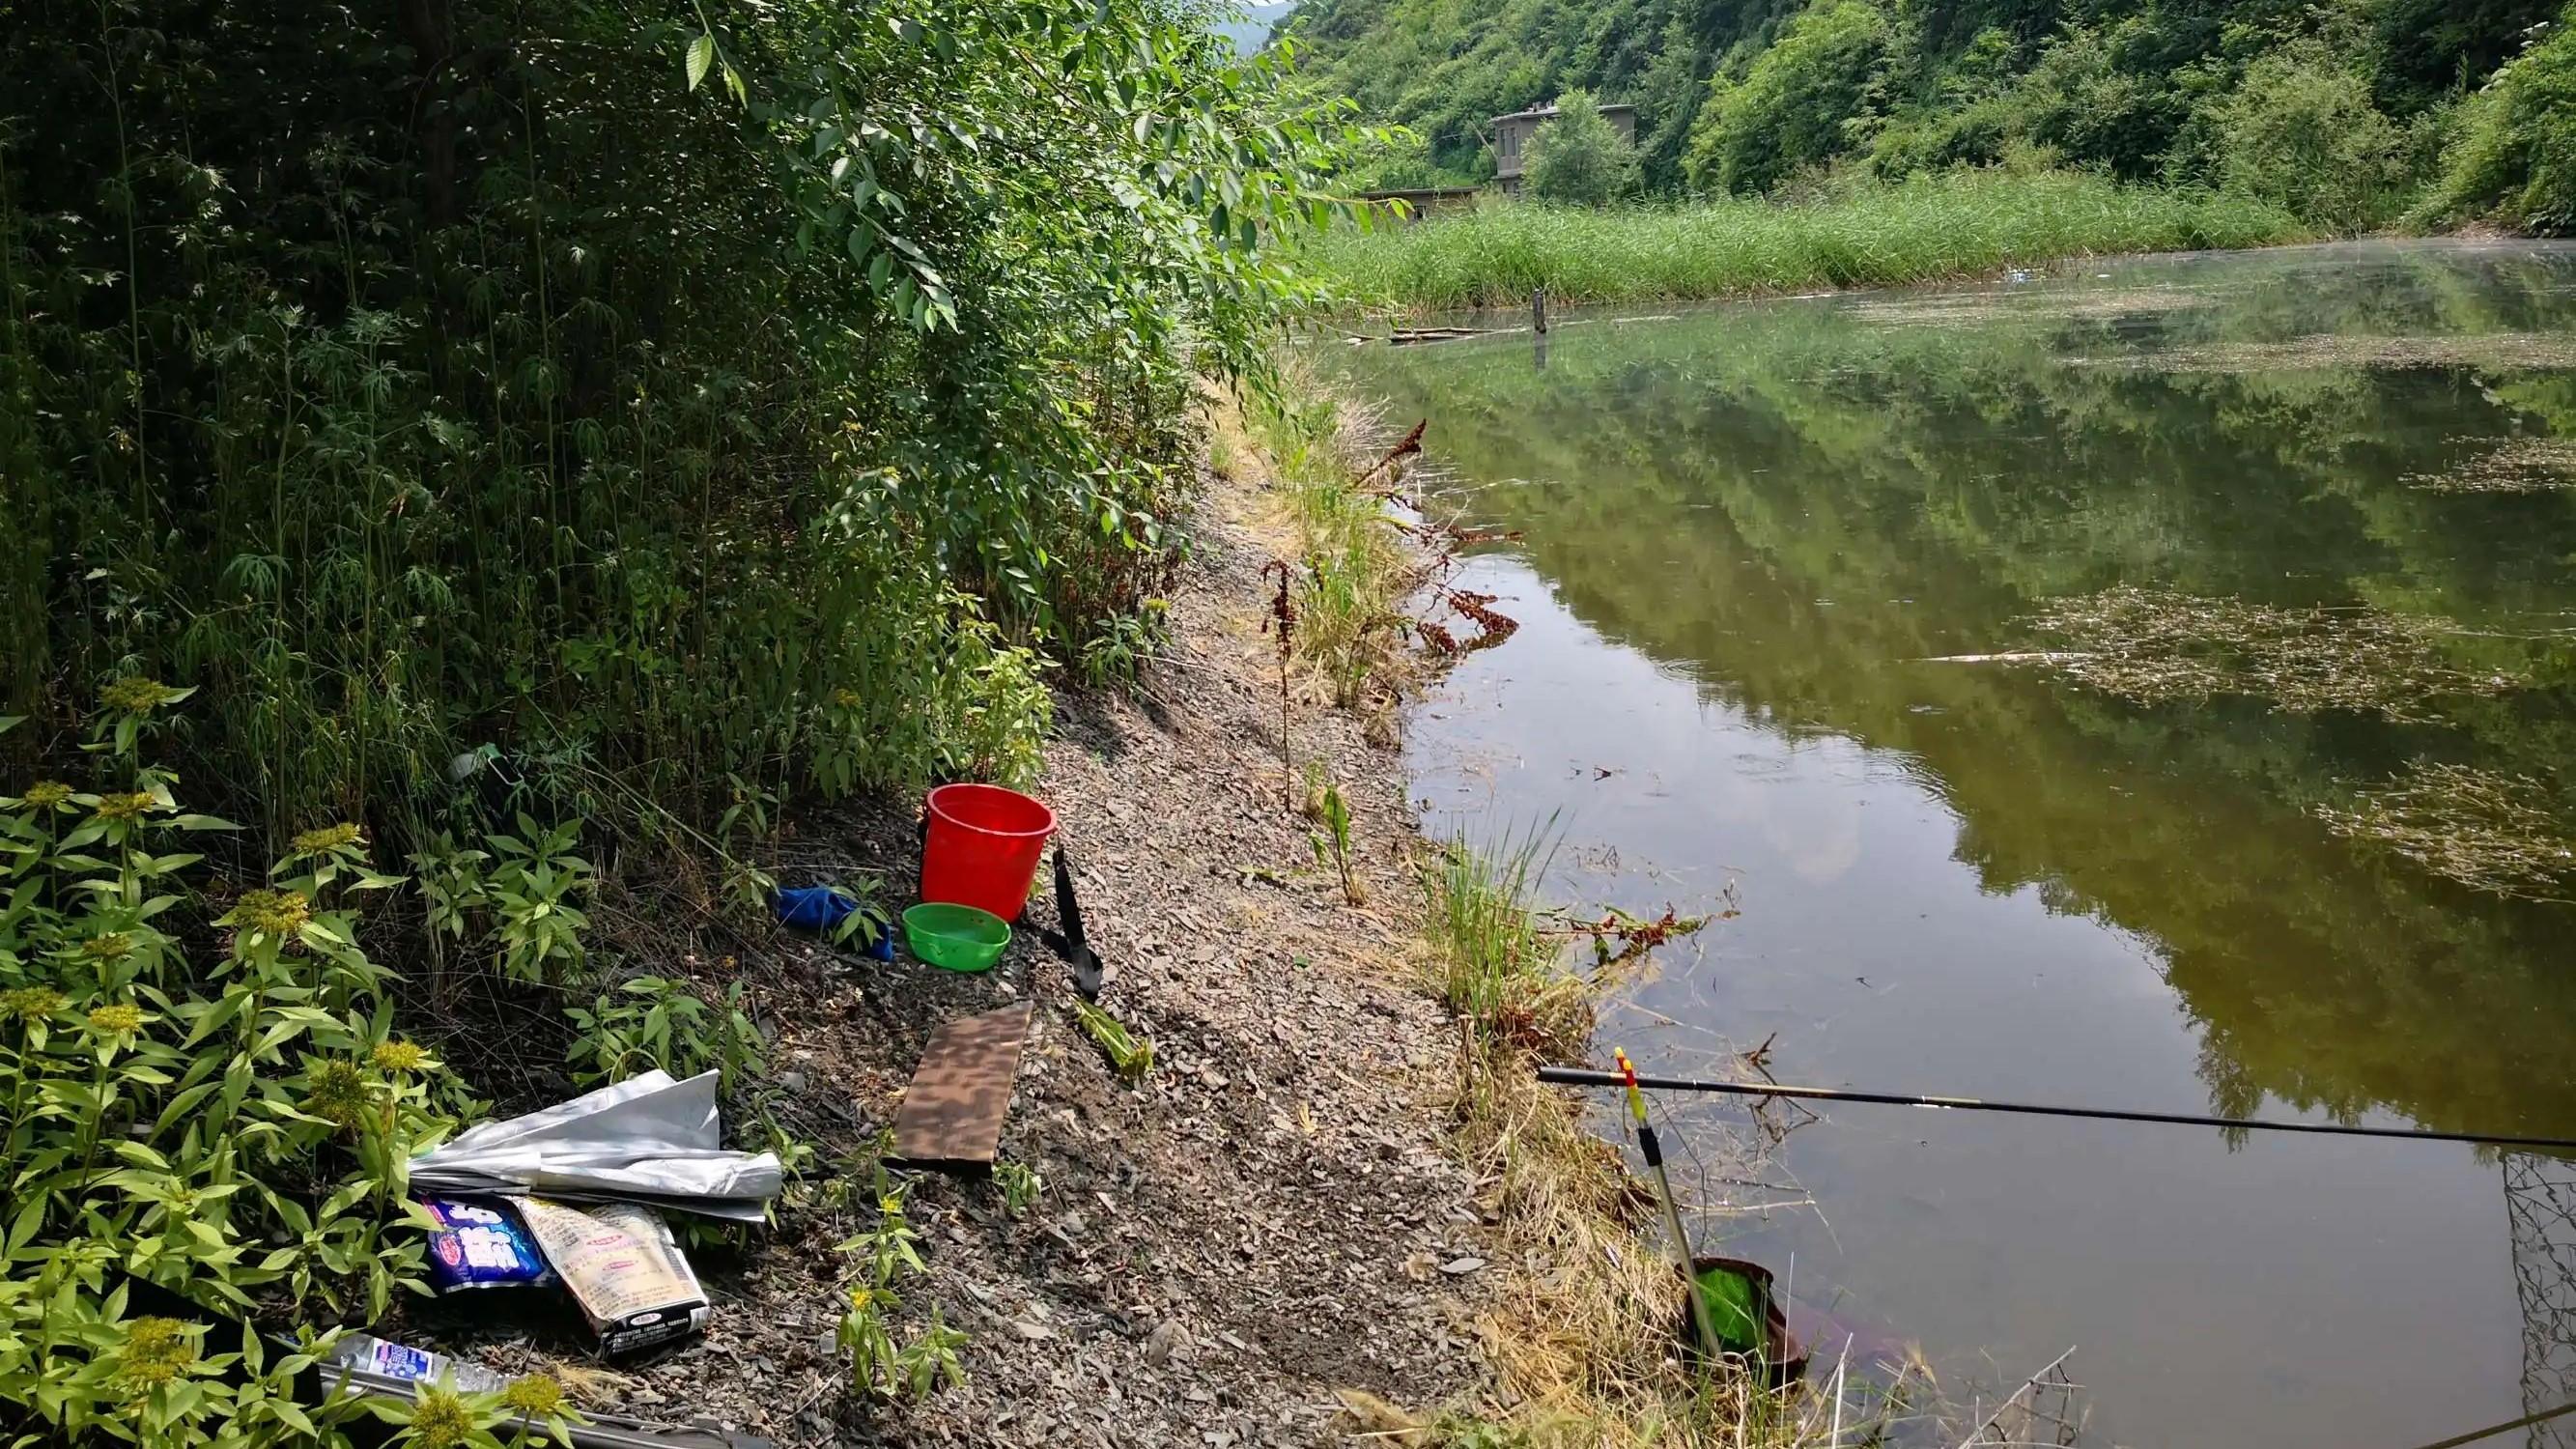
(1588, 1077)
(1710, 1341)
(2509, 1425)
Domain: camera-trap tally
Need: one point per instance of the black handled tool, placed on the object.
(1091, 975)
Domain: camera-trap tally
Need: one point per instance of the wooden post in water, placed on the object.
(1538, 311)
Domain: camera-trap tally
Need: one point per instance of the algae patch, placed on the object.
(2506, 834)
(1976, 309)
(2494, 351)
(2157, 647)
(2521, 465)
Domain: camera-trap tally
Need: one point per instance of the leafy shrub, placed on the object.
(670, 393)
(531, 893)
(2096, 97)
(1404, 161)
(996, 709)
(1972, 123)
(1812, 96)
(1579, 157)
(2300, 131)
(652, 1021)
(520, 911)
(2516, 154)
(1114, 657)
(203, 1100)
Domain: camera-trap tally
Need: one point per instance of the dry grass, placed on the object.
(2520, 465)
(2494, 351)
(2505, 834)
(2157, 647)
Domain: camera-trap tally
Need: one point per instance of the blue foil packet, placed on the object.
(481, 1245)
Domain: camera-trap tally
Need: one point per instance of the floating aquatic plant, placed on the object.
(2521, 465)
(2158, 647)
(2500, 351)
(2507, 834)
(2055, 304)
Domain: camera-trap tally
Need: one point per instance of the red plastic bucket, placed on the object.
(984, 847)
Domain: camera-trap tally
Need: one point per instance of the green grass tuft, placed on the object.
(1497, 969)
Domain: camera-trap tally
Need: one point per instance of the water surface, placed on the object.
(1746, 530)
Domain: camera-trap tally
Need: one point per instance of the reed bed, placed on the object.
(1927, 228)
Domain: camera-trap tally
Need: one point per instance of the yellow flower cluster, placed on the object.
(441, 1421)
(136, 694)
(328, 837)
(31, 1003)
(336, 1092)
(537, 1396)
(157, 1351)
(399, 1057)
(272, 913)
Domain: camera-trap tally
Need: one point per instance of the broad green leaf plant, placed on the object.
(200, 1097)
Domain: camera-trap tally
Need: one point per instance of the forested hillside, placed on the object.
(2351, 111)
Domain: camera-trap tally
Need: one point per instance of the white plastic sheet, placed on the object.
(648, 1139)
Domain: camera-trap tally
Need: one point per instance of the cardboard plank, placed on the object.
(952, 1113)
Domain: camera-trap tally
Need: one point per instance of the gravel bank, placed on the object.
(1269, 1218)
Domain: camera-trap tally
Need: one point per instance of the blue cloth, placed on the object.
(821, 909)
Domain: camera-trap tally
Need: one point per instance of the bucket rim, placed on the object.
(1045, 810)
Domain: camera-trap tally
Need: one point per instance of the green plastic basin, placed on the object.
(955, 938)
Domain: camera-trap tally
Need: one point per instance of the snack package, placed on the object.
(480, 1245)
(623, 1268)
(414, 1365)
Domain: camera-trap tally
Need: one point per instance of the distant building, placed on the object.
(1423, 201)
(1512, 134)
